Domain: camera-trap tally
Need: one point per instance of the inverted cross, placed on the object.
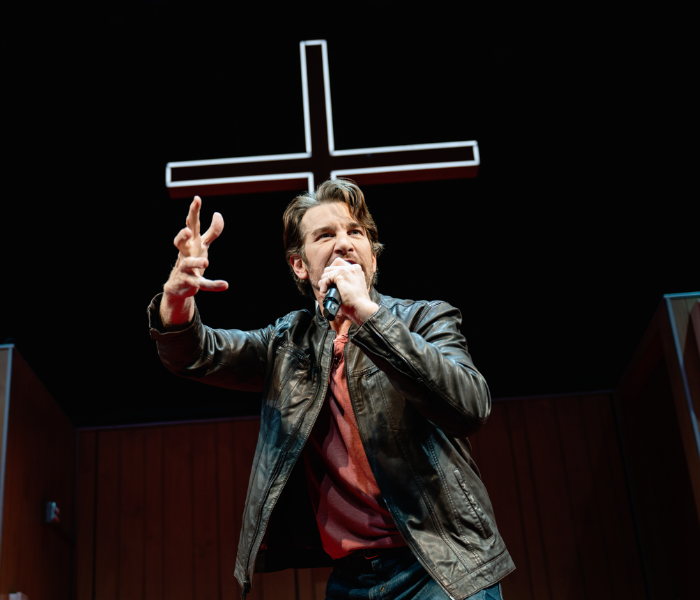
(320, 161)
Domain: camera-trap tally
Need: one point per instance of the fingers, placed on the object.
(184, 283)
(337, 268)
(208, 285)
(193, 262)
(193, 216)
(186, 277)
(215, 229)
(182, 241)
(340, 272)
(189, 267)
(328, 277)
(194, 226)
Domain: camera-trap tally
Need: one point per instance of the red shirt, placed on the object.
(350, 512)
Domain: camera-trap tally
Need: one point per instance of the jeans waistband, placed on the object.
(361, 560)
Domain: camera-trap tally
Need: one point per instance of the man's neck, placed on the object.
(341, 325)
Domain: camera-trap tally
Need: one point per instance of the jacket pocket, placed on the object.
(480, 517)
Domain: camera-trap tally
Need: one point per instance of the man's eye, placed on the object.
(357, 231)
(326, 235)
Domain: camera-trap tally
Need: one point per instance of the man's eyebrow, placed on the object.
(326, 228)
(315, 232)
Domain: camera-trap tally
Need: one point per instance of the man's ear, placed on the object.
(298, 266)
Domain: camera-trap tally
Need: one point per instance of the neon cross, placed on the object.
(301, 171)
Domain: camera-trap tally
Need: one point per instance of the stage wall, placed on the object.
(159, 507)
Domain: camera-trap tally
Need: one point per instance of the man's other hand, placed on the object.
(186, 278)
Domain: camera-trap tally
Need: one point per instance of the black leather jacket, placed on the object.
(416, 396)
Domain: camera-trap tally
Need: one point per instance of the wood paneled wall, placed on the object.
(160, 507)
(36, 558)
(658, 402)
(160, 512)
(554, 472)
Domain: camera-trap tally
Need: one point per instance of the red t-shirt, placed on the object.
(350, 512)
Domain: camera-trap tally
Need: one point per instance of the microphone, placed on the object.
(331, 302)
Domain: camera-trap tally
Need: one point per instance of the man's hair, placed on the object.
(333, 190)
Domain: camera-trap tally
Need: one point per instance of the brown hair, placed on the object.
(333, 190)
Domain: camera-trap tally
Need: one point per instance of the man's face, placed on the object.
(330, 232)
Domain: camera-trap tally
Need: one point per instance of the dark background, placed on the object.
(558, 254)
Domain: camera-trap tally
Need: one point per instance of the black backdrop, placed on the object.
(557, 254)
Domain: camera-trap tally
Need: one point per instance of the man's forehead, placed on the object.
(327, 215)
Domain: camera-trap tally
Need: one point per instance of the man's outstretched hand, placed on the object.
(186, 278)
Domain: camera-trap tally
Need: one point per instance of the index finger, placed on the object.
(342, 262)
(193, 216)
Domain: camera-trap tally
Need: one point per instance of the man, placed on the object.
(362, 460)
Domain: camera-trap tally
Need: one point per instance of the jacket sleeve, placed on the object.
(428, 364)
(226, 358)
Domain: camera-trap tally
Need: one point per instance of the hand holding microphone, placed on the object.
(332, 302)
(356, 302)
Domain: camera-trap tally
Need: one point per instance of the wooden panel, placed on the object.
(498, 471)
(279, 585)
(258, 588)
(85, 514)
(5, 377)
(554, 500)
(132, 518)
(567, 520)
(595, 561)
(39, 467)
(683, 366)
(661, 487)
(165, 504)
(661, 455)
(695, 319)
(178, 538)
(206, 512)
(690, 351)
(154, 526)
(614, 504)
(229, 519)
(305, 584)
(531, 525)
(107, 516)
(321, 576)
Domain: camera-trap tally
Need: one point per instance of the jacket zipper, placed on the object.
(246, 583)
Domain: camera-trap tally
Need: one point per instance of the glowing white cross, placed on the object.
(303, 170)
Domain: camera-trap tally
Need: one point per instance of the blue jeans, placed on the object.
(397, 578)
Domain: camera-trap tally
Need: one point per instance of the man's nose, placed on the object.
(343, 244)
